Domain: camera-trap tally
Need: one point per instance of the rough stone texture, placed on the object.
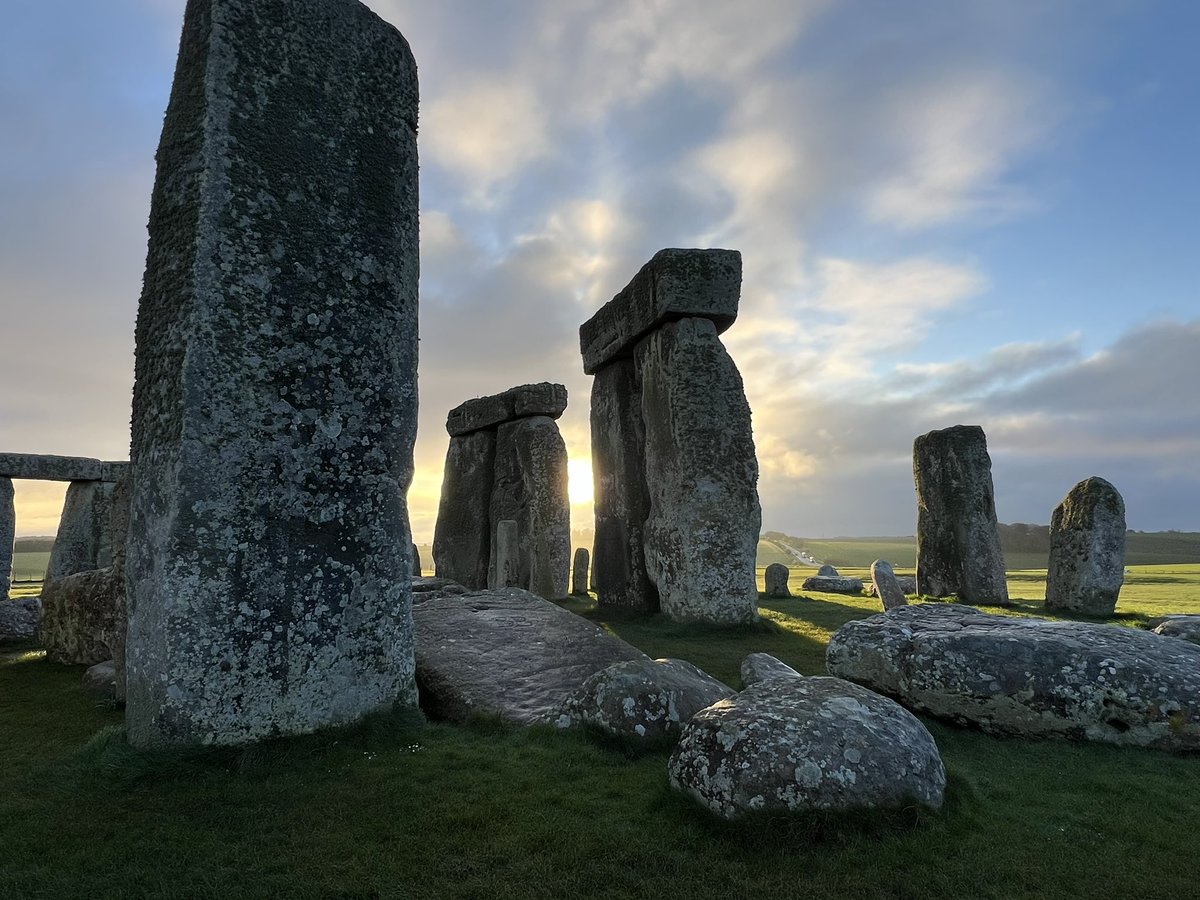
(8, 533)
(622, 498)
(828, 570)
(579, 573)
(543, 399)
(83, 616)
(647, 699)
(701, 537)
(776, 581)
(1028, 676)
(796, 743)
(506, 653)
(45, 467)
(84, 538)
(439, 586)
(101, 679)
(1185, 627)
(416, 562)
(958, 545)
(760, 666)
(20, 619)
(887, 588)
(274, 406)
(506, 551)
(908, 585)
(119, 530)
(530, 488)
(832, 584)
(461, 537)
(674, 284)
(1087, 549)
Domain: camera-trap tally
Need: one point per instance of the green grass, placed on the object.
(30, 566)
(400, 808)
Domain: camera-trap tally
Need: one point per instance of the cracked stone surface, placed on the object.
(1028, 676)
(1087, 549)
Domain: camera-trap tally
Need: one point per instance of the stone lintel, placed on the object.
(542, 399)
(47, 467)
(674, 284)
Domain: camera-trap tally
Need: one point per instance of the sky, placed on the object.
(949, 211)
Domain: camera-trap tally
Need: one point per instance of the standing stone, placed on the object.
(461, 537)
(275, 400)
(507, 554)
(416, 562)
(579, 573)
(531, 489)
(8, 534)
(887, 588)
(958, 544)
(119, 528)
(1087, 549)
(622, 499)
(701, 536)
(776, 578)
(827, 571)
(84, 538)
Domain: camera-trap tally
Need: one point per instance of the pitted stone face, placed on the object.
(275, 388)
(543, 399)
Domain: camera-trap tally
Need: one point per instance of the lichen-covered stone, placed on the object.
(907, 583)
(622, 498)
(775, 580)
(1185, 627)
(83, 617)
(646, 699)
(1087, 549)
(887, 588)
(797, 743)
(701, 536)
(275, 394)
(530, 488)
(958, 544)
(441, 586)
(8, 533)
(84, 538)
(832, 584)
(758, 667)
(506, 653)
(20, 619)
(101, 679)
(542, 399)
(46, 467)
(674, 284)
(1028, 676)
(579, 572)
(461, 536)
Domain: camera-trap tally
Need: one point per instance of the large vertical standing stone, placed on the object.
(507, 554)
(1087, 549)
(622, 499)
(84, 539)
(462, 536)
(530, 488)
(701, 536)
(8, 534)
(958, 544)
(274, 407)
(579, 573)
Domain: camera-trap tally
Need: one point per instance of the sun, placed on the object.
(579, 481)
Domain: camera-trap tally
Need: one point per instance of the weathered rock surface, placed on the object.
(579, 573)
(275, 395)
(83, 616)
(530, 488)
(1185, 627)
(828, 571)
(958, 544)
(674, 284)
(1087, 549)
(908, 585)
(832, 584)
(650, 699)
(796, 743)
(462, 537)
(622, 499)
(46, 467)
(442, 586)
(20, 619)
(758, 667)
(776, 581)
(1028, 676)
(8, 532)
(119, 531)
(887, 588)
(84, 538)
(506, 551)
(701, 536)
(506, 653)
(101, 679)
(543, 399)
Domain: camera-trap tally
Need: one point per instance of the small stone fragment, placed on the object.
(101, 679)
(1185, 627)
(833, 584)
(887, 588)
(760, 666)
(828, 570)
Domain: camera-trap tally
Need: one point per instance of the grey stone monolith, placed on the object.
(622, 499)
(701, 536)
(275, 393)
(775, 581)
(530, 488)
(1087, 549)
(84, 538)
(416, 562)
(507, 553)
(958, 544)
(8, 533)
(579, 572)
(887, 587)
(461, 537)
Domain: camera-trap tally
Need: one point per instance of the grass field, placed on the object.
(30, 566)
(401, 808)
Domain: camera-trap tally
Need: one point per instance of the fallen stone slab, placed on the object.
(47, 467)
(1185, 627)
(833, 584)
(648, 699)
(507, 653)
(828, 570)
(20, 619)
(674, 284)
(542, 399)
(760, 666)
(797, 743)
(1028, 676)
(432, 585)
(101, 679)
